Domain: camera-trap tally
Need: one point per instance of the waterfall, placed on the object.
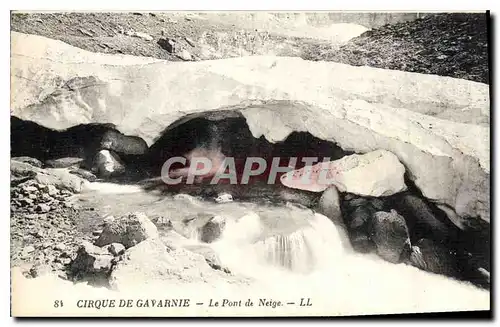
(249, 246)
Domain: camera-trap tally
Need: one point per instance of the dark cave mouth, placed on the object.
(228, 146)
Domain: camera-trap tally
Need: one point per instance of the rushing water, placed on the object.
(292, 252)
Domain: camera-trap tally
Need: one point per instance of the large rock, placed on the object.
(59, 178)
(123, 144)
(421, 220)
(391, 237)
(212, 230)
(431, 256)
(357, 214)
(151, 262)
(438, 127)
(128, 230)
(32, 161)
(91, 259)
(66, 162)
(377, 173)
(210, 256)
(329, 204)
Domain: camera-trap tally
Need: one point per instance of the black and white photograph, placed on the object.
(250, 163)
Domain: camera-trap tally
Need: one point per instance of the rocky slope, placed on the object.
(454, 44)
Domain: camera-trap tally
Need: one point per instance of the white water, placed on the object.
(291, 253)
(316, 261)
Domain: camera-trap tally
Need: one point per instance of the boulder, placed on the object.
(50, 190)
(150, 262)
(43, 208)
(64, 162)
(329, 204)
(421, 220)
(167, 44)
(212, 230)
(32, 161)
(128, 230)
(123, 144)
(390, 235)
(224, 198)
(107, 164)
(141, 35)
(377, 173)
(210, 256)
(19, 169)
(116, 249)
(431, 256)
(61, 179)
(438, 127)
(84, 174)
(184, 55)
(91, 259)
(357, 213)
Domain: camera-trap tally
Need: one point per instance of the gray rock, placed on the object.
(42, 207)
(212, 230)
(224, 198)
(168, 44)
(162, 222)
(189, 41)
(140, 35)
(27, 250)
(84, 174)
(123, 144)
(431, 256)
(390, 235)
(28, 189)
(128, 230)
(152, 262)
(60, 247)
(64, 162)
(26, 201)
(108, 220)
(91, 259)
(329, 204)
(116, 249)
(32, 161)
(184, 55)
(61, 179)
(357, 214)
(39, 270)
(51, 190)
(421, 220)
(210, 256)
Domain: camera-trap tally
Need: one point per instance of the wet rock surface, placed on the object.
(128, 230)
(329, 204)
(394, 227)
(212, 230)
(430, 256)
(390, 235)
